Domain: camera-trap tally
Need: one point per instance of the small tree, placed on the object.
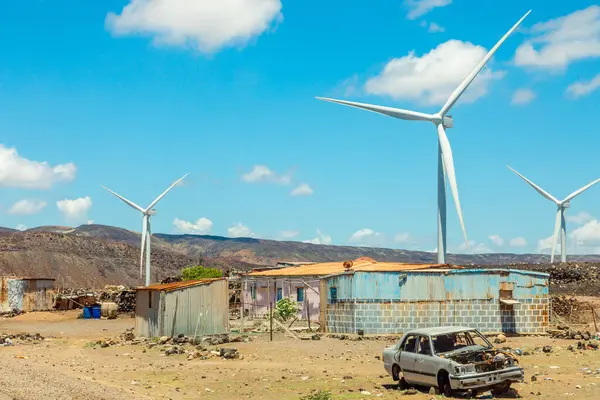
(285, 309)
(199, 272)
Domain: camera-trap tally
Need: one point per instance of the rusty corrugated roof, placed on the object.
(363, 264)
(178, 285)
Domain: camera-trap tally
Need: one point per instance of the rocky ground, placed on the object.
(87, 359)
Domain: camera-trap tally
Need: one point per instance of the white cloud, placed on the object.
(474, 248)
(204, 25)
(366, 237)
(402, 238)
(262, 173)
(587, 235)
(240, 230)
(580, 218)
(21, 227)
(202, 226)
(583, 88)
(497, 240)
(417, 8)
(518, 242)
(16, 171)
(558, 42)
(432, 27)
(321, 238)
(288, 234)
(27, 207)
(302, 190)
(431, 78)
(76, 210)
(523, 96)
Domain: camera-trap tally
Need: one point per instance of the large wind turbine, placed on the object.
(146, 230)
(560, 213)
(442, 121)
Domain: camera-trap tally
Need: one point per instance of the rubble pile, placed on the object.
(573, 278)
(9, 339)
(204, 347)
(171, 279)
(121, 295)
(10, 314)
(564, 332)
(70, 299)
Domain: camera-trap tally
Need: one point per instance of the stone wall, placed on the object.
(489, 315)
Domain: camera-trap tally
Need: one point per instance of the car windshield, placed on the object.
(460, 341)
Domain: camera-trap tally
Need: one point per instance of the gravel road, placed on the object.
(22, 381)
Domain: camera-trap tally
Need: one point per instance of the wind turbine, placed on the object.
(560, 213)
(442, 121)
(146, 230)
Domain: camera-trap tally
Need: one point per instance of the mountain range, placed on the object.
(96, 255)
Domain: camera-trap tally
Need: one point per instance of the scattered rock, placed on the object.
(346, 377)
(164, 339)
(547, 349)
(500, 339)
(365, 393)
(316, 337)
(229, 353)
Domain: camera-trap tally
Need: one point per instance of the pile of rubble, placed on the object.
(9, 339)
(204, 347)
(121, 295)
(564, 332)
(10, 314)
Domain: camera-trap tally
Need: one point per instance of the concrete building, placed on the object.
(192, 308)
(26, 294)
(302, 283)
(381, 302)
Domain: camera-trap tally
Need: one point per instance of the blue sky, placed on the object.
(133, 94)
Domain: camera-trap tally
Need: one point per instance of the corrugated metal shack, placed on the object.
(191, 308)
(26, 294)
(491, 300)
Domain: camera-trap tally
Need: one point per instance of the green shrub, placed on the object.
(285, 309)
(320, 395)
(199, 272)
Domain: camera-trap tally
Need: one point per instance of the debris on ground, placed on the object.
(9, 339)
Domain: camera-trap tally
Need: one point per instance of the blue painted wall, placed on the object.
(466, 284)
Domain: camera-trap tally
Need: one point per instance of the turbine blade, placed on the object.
(536, 187)
(578, 192)
(467, 81)
(128, 202)
(555, 236)
(392, 112)
(166, 191)
(449, 167)
(144, 232)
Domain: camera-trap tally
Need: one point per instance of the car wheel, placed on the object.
(501, 389)
(444, 385)
(396, 372)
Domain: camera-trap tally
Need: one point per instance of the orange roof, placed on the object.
(363, 264)
(178, 285)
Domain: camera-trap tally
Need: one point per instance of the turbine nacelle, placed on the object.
(445, 120)
(565, 205)
(151, 212)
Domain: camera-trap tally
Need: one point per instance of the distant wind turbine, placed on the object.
(560, 213)
(442, 121)
(146, 230)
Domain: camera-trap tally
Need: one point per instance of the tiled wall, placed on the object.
(349, 316)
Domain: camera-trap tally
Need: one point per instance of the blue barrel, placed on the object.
(87, 312)
(96, 312)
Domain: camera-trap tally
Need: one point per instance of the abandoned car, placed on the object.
(451, 359)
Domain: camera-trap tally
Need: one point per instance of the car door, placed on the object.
(408, 358)
(426, 362)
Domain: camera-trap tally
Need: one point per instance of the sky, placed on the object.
(133, 94)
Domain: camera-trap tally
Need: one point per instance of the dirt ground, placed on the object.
(65, 367)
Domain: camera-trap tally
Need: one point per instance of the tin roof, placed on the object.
(177, 285)
(363, 264)
(23, 278)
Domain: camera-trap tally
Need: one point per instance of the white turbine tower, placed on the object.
(146, 230)
(560, 213)
(442, 121)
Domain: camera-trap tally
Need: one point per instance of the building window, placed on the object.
(299, 294)
(333, 294)
(279, 293)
